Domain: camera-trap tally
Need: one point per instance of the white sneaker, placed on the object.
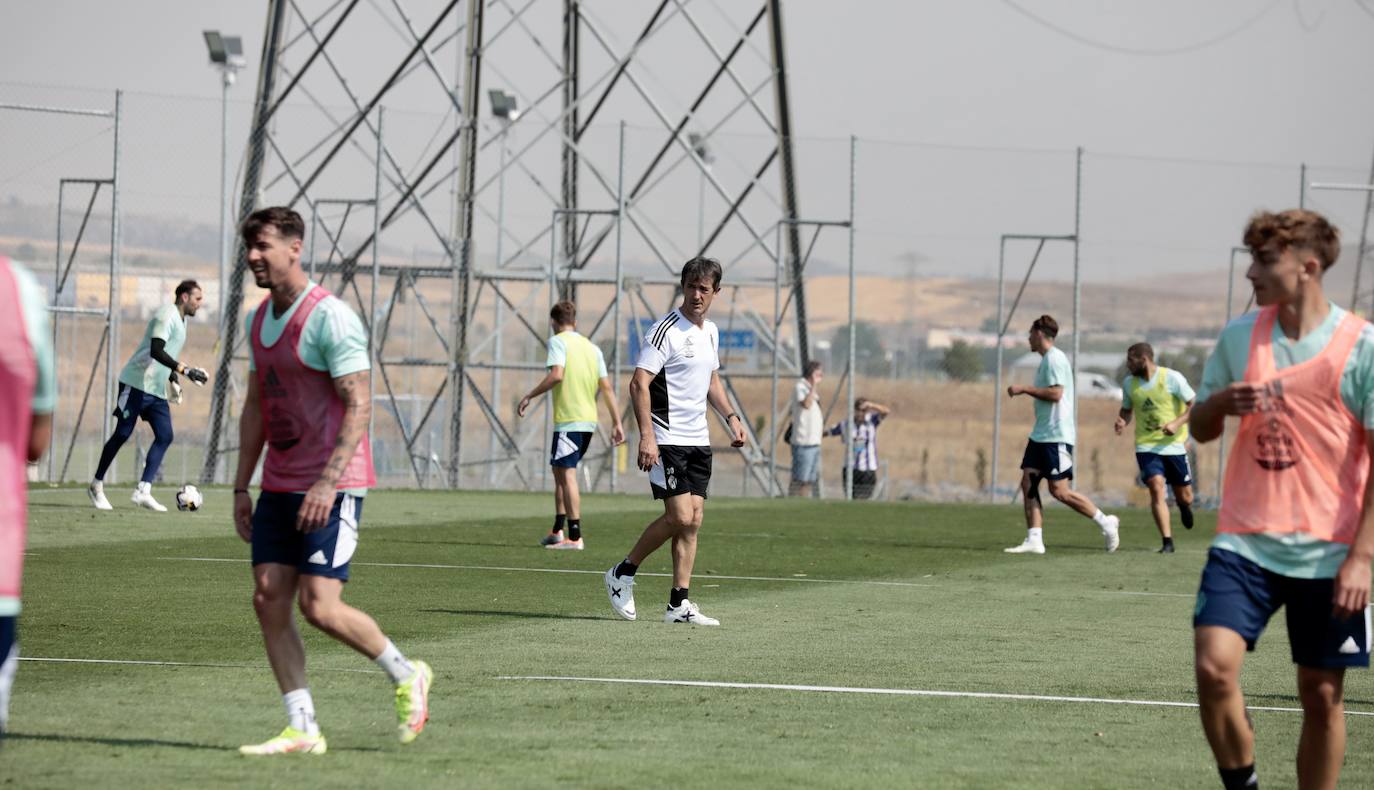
(96, 491)
(143, 497)
(621, 591)
(1027, 546)
(688, 613)
(1111, 534)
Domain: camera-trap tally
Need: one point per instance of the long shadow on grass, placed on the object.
(146, 742)
(527, 615)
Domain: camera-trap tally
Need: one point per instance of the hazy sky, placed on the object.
(1192, 113)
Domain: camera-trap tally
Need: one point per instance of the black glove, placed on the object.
(198, 376)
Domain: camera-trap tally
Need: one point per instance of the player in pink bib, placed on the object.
(28, 390)
(308, 401)
(1296, 524)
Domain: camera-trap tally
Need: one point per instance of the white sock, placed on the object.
(1035, 535)
(146, 488)
(1100, 519)
(395, 664)
(98, 485)
(300, 709)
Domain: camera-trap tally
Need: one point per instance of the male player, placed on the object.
(1296, 523)
(146, 384)
(674, 379)
(308, 401)
(577, 372)
(1163, 399)
(28, 386)
(1049, 453)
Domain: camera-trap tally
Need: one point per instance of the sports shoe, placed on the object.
(412, 702)
(143, 497)
(1027, 546)
(688, 613)
(1167, 548)
(1111, 534)
(552, 538)
(96, 491)
(1185, 511)
(621, 591)
(291, 741)
(566, 545)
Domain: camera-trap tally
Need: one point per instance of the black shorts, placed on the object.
(1049, 460)
(864, 482)
(681, 470)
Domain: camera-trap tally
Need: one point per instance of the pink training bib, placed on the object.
(18, 377)
(1299, 463)
(301, 411)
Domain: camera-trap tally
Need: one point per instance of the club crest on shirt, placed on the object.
(687, 350)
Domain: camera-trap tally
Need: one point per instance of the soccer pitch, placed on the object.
(835, 600)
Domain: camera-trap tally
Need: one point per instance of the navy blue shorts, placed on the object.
(568, 448)
(132, 403)
(1240, 595)
(1173, 468)
(1049, 460)
(324, 552)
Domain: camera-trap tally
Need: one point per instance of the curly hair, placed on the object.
(1272, 233)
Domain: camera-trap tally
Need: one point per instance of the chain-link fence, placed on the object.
(1153, 237)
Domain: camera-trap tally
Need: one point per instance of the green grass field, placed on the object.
(929, 602)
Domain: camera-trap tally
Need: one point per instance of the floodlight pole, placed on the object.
(1368, 189)
(499, 318)
(226, 81)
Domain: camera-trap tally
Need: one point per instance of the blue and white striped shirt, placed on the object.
(865, 442)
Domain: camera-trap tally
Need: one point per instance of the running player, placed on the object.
(29, 386)
(577, 372)
(1049, 453)
(146, 384)
(308, 401)
(1296, 523)
(674, 380)
(1163, 399)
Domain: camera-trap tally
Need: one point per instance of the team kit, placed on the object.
(1295, 525)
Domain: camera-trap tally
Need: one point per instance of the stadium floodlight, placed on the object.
(504, 105)
(703, 151)
(226, 54)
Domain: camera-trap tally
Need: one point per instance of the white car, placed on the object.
(1097, 387)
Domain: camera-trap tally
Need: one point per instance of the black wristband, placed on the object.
(240, 490)
(732, 414)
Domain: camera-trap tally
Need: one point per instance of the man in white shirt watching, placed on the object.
(807, 430)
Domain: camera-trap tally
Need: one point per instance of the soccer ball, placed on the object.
(189, 498)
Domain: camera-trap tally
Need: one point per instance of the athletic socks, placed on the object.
(300, 709)
(626, 568)
(1239, 778)
(1185, 511)
(1035, 535)
(558, 521)
(1100, 519)
(677, 596)
(394, 664)
(574, 529)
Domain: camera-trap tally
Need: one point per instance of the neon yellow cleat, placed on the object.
(412, 702)
(291, 741)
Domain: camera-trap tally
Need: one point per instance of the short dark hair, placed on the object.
(185, 287)
(288, 223)
(1298, 228)
(1046, 325)
(564, 313)
(700, 267)
(859, 403)
(1141, 350)
(811, 367)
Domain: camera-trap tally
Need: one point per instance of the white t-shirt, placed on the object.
(807, 423)
(682, 356)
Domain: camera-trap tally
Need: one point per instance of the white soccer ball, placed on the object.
(189, 498)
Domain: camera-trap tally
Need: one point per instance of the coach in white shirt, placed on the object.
(807, 430)
(674, 380)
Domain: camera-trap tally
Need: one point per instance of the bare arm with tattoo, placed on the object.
(353, 390)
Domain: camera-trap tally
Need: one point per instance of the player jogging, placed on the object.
(28, 385)
(1049, 453)
(674, 380)
(1161, 400)
(1296, 524)
(577, 372)
(308, 401)
(146, 384)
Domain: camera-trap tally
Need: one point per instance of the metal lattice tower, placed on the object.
(337, 135)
